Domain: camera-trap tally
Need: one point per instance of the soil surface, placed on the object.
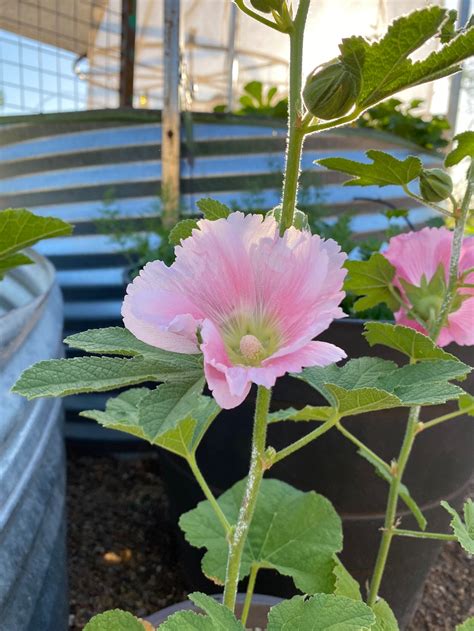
(122, 549)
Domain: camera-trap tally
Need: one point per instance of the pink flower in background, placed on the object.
(421, 253)
(250, 300)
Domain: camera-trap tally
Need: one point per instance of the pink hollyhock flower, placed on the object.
(250, 300)
(420, 254)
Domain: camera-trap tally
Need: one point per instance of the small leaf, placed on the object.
(212, 209)
(115, 620)
(12, 261)
(403, 492)
(384, 617)
(415, 345)
(20, 229)
(385, 170)
(308, 413)
(467, 625)
(182, 230)
(464, 531)
(345, 585)
(466, 403)
(293, 532)
(320, 613)
(463, 149)
(217, 618)
(371, 279)
(61, 377)
(163, 408)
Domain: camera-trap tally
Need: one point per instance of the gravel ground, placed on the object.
(121, 549)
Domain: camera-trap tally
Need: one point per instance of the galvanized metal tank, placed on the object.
(33, 583)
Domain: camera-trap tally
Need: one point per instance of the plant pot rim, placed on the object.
(258, 600)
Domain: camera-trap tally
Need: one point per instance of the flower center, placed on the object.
(251, 347)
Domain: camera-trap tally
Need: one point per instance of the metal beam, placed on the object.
(455, 87)
(170, 143)
(231, 59)
(127, 51)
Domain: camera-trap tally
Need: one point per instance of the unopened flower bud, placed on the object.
(330, 91)
(435, 185)
(266, 6)
(300, 219)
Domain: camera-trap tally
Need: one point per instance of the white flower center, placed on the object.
(251, 347)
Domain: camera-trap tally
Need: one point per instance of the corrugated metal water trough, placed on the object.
(33, 584)
(67, 165)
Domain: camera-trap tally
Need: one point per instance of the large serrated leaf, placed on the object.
(308, 413)
(384, 170)
(121, 412)
(384, 67)
(384, 617)
(217, 618)
(115, 620)
(345, 584)
(372, 280)
(322, 612)
(163, 408)
(415, 345)
(403, 491)
(464, 530)
(293, 532)
(212, 209)
(61, 377)
(360, 400)
(464, 148)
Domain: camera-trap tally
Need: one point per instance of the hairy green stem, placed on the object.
(249, 595)
(437, 207)
(208, 493)
(363, 447)
(458, 236)
(441, 419)
(296, 131)
(239, 534)
(302, 442)
(257, 16)
(417, 534)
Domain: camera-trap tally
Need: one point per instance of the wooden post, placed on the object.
(170, 129)
(127, 52)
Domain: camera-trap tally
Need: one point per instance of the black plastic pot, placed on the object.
(258, 613)
(440, 468)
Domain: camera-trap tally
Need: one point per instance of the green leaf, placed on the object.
(182, 230)
(114, 620)
(308, 413)
(212, 209)
(12, 261)
(384, 67)
(345, 584)
(163, 408)
(320, 613)
(467, 625)
(466, 402)
(403, 492)
(384, 170)
(217, 618)
(293, 532)
(360, 400)
(415, 345)
(371, 279)
(384, 617)
(464, 149)
(20, 229)
(464, 531)
(116, 340)
(61, 377)
(121, 412)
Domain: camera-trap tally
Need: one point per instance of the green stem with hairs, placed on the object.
(238, 536)
(305, 440)
(363, 447)
(208, 493)
(441, 419)
(416, 534)
(249, 595)
(296, 131)
(440, 209)
(257, 16)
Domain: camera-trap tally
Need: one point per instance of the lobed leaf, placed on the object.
(385, 169)
(12, 261)
(345, 584)
(406, 340)
(464, 148)
(308, 413)
(217, 618)
(320, 613)
(464, 531)
(212, 209)
(293, 532)
(182, 230)
(403, 492)
(115, 620)
(360, 400)
(384, 617)
(372, 280)
(61, 377)
(466, 403)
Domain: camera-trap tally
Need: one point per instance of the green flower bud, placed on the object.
(435, 185)
(300, 219)
(266, 6)
(330, 91)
